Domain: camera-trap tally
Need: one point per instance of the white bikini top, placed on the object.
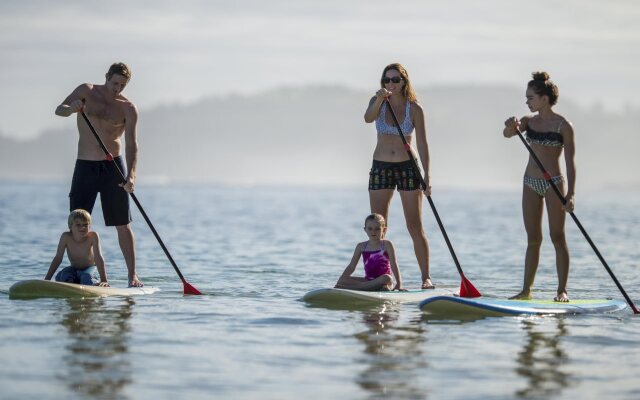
(385, 129)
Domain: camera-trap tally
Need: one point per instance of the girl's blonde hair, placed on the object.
(376, 217)
(80, 214)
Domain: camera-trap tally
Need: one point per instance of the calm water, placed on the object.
(254, 252)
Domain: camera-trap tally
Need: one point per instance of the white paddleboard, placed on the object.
(34, 288)
(346, 297)
(485, 307)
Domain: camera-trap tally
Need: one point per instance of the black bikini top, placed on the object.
(551, 139)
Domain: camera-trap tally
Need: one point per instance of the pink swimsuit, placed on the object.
(376, 262)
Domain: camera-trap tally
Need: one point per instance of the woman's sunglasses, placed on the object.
(395, 79)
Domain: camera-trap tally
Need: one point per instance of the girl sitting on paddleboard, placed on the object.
(392, 167)
(379, 258)
(548, 133)
(83, 250)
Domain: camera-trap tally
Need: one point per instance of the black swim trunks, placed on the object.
(389, 175)
(93, 177)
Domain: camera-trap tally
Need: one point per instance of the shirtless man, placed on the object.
(112, 115)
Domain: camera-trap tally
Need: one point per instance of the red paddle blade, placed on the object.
(188, 289)
(467, 289)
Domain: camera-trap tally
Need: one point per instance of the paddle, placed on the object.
(466, 288)
(188, 288)
(547, 177)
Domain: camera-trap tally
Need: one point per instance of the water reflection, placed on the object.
(392, 355)
(542, 358)
(97, 363)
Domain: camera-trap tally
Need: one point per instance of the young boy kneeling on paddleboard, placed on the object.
(379, 260)
(83, 250)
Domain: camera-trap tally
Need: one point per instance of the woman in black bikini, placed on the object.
(392, 167)
(548, 133)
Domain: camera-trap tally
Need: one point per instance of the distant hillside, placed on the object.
(317, 135)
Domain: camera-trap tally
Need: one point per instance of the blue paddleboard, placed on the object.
(482, 306)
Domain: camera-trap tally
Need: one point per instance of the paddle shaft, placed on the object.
(423, 184)
(133, 196)
(555, 188)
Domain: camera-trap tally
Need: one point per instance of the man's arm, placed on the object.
(131, 143)
(74, 102)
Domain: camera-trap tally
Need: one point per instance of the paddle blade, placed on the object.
(188, 289)
(467, 289)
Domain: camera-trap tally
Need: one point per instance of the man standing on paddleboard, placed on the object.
(112, 115)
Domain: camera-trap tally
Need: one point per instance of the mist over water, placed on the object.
(316, 136)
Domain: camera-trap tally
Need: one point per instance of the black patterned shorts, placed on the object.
(389, 175)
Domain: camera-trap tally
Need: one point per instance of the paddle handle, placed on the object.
(109, 157)
(555, 188)
(423, 184)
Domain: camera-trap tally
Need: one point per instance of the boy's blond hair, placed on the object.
(80, 214)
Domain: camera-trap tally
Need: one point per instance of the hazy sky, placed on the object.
(180, 51)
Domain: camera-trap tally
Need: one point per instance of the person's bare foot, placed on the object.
(562, 297)
(135, 282)
(426, 284)
(521, 296)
